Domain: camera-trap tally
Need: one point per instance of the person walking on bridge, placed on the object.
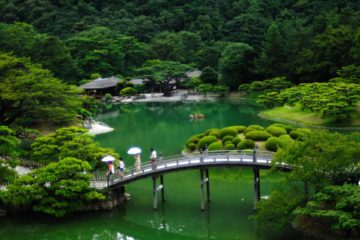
(153, 157)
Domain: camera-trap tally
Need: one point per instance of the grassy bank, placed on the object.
(306, 117)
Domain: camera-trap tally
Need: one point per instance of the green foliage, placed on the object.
(57, 189)
(205, 142)
(334, 100)
(246, 144)
(268, 85)
(228, 138)
(236, 64)
(69, 142)
(30, 94)
(276, 131)
(229, 146)
(336, 204)
(107, 97)
(191, 146)
(9, 150)
(192, 83)
(207, 132)
(228, 131)
(215, 134)
(128, 91)
(209, 75)
(206, 88)
(215, 146)
(239, 129)
(236, 140)
(257, 135)
(299, 133)
(273, 143)
(253, 128)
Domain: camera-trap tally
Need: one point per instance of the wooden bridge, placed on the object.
(249, 158)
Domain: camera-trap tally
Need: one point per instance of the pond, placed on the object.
(166, 127)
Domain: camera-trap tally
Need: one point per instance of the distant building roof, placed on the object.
(101, 83)
(193, 73)
(138, 81)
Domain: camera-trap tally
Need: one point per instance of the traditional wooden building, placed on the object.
(101, 86)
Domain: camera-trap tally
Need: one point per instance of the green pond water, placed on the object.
(166, 126)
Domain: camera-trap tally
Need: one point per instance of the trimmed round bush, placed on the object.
(227, 142)
(253, 128)
(299, 134)
(193, 139)
(191, 146)
(215, 146)
(229, 146)
(215, 134)
(285, 140)
(205, 142)
(276, 131)
(246, 144)
(228, 138)
(273, 143)
(128, 91)
(228, 131)
(236, 140)
(207, 132)
(257, 135)
(287, 127)
(239, 129)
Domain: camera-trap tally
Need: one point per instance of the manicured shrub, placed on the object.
(276, 131)
(128, 91)
(205, 142)
(228, 138)
(273, 143)
(229, 146)
(299, 134)
(236, 140)
(239, 129)
(285, 140)
(287, 127)
(227, 142)
(191, 146)
(253, 128)
(257, 135)
(107, 97)
(215, 146)
(215, 134)
(207, 132)
(228, 131)
(192, 139)
(246, 144)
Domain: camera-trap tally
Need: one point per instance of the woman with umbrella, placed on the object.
(136, 152)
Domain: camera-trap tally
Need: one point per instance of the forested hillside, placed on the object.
(247, 40)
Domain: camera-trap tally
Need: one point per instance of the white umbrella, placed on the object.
(134, 151)
(108, 158)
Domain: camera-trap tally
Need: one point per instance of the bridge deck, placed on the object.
(180, 162)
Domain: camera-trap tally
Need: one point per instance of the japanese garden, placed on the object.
(154, 119)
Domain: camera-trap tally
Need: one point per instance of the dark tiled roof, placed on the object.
(101, 83)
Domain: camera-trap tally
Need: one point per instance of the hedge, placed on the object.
(253, 128)
(273, 143)
(207, 132)
(257, 135)
(191, 146)
(285, 140)
(229, 146)
(206, 141)
(287, 127)
(228, 131)
(239, 129)
(215, 146)
(228, 138)
(276, 131)
(236, 140)
(246, 144)
(215, 134)
(299, 133)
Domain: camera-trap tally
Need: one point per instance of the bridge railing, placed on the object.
(171, 162)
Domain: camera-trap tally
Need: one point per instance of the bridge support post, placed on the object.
(207, 184)
(155, 198)
(202, 194)
(256, 186)
(163, 188)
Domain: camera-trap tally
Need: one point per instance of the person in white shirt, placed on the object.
(121, 167)
(153, 155)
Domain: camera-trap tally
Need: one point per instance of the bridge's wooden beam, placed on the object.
(202, 193)
(257, 194)
(154, 193)
(207, 184)
(163, 188)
